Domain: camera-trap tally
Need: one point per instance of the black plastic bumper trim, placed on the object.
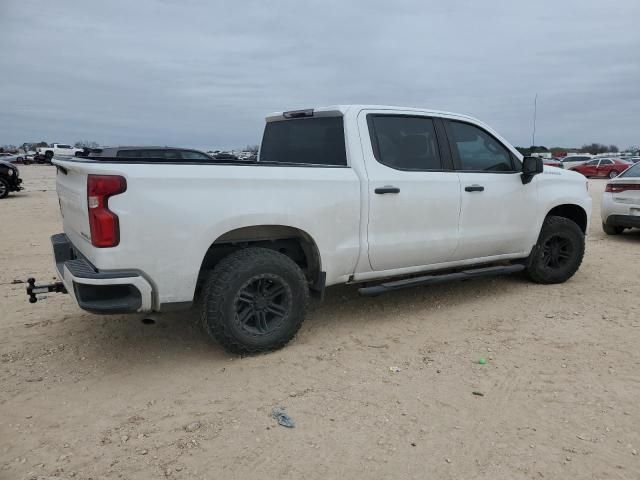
(623, 221)
(108, 299)
(66, 255)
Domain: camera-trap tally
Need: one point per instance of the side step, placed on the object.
(433, 279)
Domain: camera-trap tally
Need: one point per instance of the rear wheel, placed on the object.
(4, 188)
(611, 230)
(254, 301)
(559, 251)
(613, 174)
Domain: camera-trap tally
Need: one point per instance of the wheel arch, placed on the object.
(572, 212)
(290, 241)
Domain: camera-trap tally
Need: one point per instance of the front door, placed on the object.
(414, 194)
(497, 210)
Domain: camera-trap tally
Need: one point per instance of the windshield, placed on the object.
(632, 171)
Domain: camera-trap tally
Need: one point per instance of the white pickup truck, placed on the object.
(57, 150)
(388, 197)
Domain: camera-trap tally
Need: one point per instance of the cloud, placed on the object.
(204, 74)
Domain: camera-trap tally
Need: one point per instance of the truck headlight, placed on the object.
(10, 172)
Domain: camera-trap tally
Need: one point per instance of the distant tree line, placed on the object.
(592, 148)
(86, 143)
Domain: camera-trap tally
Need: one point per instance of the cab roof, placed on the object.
(341, 110)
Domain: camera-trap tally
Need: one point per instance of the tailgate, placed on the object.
(71, 184)
(627, 191)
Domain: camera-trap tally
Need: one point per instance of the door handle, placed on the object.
(474, 188)
(387, 189)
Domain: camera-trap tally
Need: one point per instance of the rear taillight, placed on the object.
(105, 230)
(621, 187)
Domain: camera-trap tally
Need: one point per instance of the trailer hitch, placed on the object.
(33, 289)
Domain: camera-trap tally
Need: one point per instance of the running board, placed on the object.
(433, 279)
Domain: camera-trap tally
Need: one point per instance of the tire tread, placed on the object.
(215, 295)
(534, 273)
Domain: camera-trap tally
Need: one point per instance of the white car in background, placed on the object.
(621, 202)
(573, 160)
(57, 150)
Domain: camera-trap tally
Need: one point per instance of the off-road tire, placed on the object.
(220, 297)
(554, 229)
(4, 192)
(611, 230)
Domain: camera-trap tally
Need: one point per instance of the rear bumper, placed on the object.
(627, 221)
(104, 292)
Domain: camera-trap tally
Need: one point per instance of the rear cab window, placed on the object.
(306, 141)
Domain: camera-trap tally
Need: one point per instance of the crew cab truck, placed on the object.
(387, 196)
(55, 150)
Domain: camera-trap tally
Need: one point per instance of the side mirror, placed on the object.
(531, 166)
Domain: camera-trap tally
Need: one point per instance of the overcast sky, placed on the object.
(205, 73)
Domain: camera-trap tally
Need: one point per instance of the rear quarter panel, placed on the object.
(171, 214)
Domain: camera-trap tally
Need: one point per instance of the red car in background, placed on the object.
(602, 167)
(552, 162)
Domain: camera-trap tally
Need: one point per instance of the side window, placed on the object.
(606, 162)
(592, 162)
(128, 154)
(477, 150)
(191, 155)
(405, 143)
(165, 154)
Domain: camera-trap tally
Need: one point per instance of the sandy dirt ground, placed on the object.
(378, 388)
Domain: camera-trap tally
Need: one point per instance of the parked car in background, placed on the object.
(25, 158)
(633, 159)
(573, 160)
(55, 150)
(345, 194)
(10, 157)
(552, 162)
(620, 206)
(602, 167)
(158, 154)
(10, 180)
(225, 156)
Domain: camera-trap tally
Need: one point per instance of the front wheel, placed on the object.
(558, 253)
(4, 188)
(613, 174)
(254, 300)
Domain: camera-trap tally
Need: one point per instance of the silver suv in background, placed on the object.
(170, 154)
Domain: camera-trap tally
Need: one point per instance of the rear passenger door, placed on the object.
(590, 169)
(414, 194)
(604, 167)
(497, 210)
